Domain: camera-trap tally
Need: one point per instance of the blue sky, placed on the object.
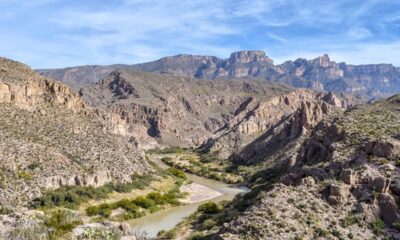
(60, 33)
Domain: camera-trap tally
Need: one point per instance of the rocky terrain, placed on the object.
(167, 110)
(257, 132)
(320, 165)
(341, 182)
(49, 138)
(371, 81)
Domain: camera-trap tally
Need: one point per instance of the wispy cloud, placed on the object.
(56, 33)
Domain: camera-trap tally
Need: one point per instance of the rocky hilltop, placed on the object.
(372, 81)
(49, 137)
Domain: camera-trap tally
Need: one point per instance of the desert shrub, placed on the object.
(28, 228)
(24, 175)
(209, 223)
(171, 234)
(349, 220)
(144, 202)
(73, 196)
(169, 150)
(209, 208)
(177, 173)
(61, 221)
(377, 226)
(101, 234)
(103, 210)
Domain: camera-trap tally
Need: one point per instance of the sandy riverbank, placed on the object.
(199, 193)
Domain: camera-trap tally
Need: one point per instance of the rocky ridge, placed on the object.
(254, 134)
(372, 81)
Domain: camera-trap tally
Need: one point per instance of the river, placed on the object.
(168, 218)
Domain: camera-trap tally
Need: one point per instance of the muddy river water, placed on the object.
(168, 218)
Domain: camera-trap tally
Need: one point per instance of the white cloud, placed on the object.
(128, 31)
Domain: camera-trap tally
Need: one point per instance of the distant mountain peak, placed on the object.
(323, 60)
(249, 56)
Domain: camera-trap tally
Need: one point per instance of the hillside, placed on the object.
(172, 110)
(49, 138)
(371, 81)
(340, 181)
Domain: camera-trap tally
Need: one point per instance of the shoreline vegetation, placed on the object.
(112, 202)
(119, 202)
(201, 163)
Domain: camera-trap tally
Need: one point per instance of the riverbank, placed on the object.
(198, 193)
(201, 190)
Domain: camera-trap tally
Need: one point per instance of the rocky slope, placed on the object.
(174, 111)
(372, 81)
(49, 137)
(341, 182)
(268, 126)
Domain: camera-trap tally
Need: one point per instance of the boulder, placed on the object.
(388, 208)
(338, 193)
(125, 228)
(348, 177)
(379, 184)
(386, 149)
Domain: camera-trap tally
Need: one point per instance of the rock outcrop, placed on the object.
(254, 134)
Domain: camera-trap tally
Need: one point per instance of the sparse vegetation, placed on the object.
(204, 164)
(73, 196)
(377, 226)
(61, 221)
(137, 207)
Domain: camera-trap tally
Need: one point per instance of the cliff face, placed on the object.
(254, 134)
(49, 138)
(372, 81)
(170, 110)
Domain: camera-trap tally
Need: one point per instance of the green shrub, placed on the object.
(177, 173)
(209, 208)
(144, 202)
(349, 220)
(377, 226)
(61, 221)
(73, 196)
(103, 210)
(133, 208)
(209, 223)
(24, 175)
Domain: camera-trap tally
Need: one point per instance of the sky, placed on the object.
(61, 33)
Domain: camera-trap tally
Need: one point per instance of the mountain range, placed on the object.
(317, 164)
(370, 81)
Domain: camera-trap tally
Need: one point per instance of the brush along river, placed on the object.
(201, 190)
